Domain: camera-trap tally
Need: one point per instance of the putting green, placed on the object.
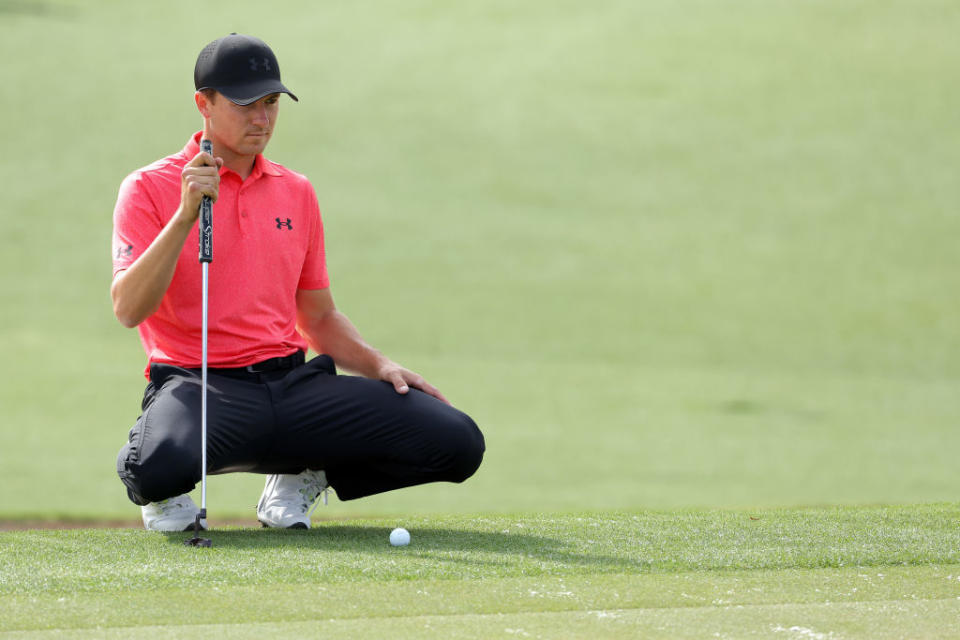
(868, 572)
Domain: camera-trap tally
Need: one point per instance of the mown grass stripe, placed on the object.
(288, 603)
(913, 618)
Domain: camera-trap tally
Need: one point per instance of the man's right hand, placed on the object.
(138, 290)
(200, 177)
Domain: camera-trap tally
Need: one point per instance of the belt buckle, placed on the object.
(266, 366)
(272, 364)
(256, 367)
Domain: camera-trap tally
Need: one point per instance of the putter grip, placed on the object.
(206, 216)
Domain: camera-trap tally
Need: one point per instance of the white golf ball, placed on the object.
(399, 537)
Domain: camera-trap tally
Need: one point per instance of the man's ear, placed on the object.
(203, 103)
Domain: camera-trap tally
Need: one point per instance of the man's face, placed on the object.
(244, 130)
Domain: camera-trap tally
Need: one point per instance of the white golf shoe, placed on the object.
(172, 514)
(288, 500)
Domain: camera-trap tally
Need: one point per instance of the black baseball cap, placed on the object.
(242, 68)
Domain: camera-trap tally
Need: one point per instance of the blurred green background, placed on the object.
(666, 252)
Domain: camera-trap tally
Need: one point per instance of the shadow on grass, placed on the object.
(36, 9)
(448, 545)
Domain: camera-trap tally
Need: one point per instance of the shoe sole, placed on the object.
(297, 525)
(189, 527)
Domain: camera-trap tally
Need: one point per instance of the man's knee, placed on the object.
(467, 449)
(168, 471)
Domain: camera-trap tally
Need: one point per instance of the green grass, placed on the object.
(607, 574)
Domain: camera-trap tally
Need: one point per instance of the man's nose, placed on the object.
(259, 116)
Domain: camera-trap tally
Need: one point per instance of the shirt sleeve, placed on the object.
(314, 273)
(135, 222)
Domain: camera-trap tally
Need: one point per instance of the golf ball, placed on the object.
(399, 537)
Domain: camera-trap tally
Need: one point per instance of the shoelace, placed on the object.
(168, 505)
(312, 489)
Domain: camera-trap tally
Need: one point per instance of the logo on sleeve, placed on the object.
(286, 223)
(124, 252)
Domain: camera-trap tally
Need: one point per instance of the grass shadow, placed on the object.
(36, 9)
(447, 545)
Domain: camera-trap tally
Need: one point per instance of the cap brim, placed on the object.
(253, 91)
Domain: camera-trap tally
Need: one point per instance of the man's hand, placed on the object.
(200, 177)
(402, 379)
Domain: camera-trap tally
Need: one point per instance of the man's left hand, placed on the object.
(402, 379)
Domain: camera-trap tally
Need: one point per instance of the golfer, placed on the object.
(300, 423)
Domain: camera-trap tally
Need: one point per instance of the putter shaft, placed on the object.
(206, 257)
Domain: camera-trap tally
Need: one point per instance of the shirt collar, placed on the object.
(261, 166)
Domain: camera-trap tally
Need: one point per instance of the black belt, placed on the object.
(283, 363)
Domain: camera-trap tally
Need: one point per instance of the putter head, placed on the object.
(196, 540)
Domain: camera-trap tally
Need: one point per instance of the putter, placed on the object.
(206, 257)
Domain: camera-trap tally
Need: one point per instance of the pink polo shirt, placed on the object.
(267, 243)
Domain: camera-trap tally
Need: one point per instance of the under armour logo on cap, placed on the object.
(255, 64)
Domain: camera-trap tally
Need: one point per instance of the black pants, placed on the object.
(361, 432)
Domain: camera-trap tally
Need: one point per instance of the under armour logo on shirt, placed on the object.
(288, 223)
(255, 64)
